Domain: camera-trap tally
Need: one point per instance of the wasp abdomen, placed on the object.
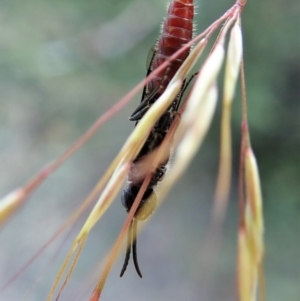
(177, 30)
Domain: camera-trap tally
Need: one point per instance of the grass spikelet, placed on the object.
(191, 140)
(233, 61)
(246, 270)
(251, 242)
(253, 191)
(254, 213)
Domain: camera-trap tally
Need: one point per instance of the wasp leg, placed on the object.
(149, 99)
(139, 112)
(143, 107)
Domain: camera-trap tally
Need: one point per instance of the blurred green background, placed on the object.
(63, 64)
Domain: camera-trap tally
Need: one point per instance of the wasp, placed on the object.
(177, 30)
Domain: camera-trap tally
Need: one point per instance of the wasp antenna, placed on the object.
(134, 252)
(128, 250)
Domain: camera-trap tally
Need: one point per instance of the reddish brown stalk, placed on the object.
(245, 143)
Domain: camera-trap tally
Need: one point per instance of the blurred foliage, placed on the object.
(63, 63)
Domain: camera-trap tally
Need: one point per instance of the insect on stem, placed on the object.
(177, 30)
